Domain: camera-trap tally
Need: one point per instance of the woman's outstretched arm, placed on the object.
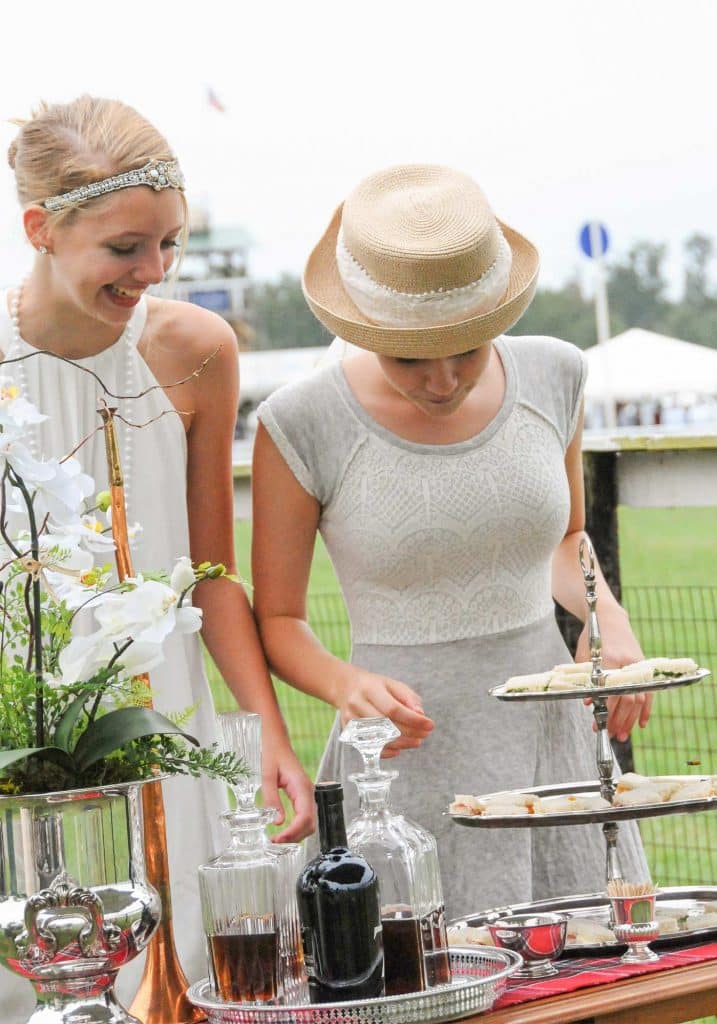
(229, 629)
(284, 532)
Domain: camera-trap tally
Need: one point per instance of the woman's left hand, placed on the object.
(620, 647)
(281, 769)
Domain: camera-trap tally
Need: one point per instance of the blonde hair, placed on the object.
(65, 145)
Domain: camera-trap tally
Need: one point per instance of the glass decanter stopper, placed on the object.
(405, 858)
(240, 733)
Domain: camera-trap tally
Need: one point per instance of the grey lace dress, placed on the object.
(443, 554)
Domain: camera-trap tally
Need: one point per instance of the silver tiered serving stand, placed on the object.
(605, 757)
(598, 692)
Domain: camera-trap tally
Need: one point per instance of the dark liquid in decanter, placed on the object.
(403, 952)
(246, 966)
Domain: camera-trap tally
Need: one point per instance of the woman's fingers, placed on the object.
(407, 711)
(375, 695)
(304, 821)
(625, 711)
(646, 710)
(281, 769)
(270, 794)
(399, 744)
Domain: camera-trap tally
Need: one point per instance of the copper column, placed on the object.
(162, 994)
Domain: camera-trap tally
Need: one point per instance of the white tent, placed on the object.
(639, 365)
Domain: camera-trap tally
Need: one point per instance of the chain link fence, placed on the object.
(680, 739)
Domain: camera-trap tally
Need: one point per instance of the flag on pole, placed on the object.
(214, 102)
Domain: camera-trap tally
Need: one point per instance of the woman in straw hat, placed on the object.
(442, 467)
(104, 209)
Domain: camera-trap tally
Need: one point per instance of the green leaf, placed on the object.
(10, 757)
(118, 728)
(68, 721)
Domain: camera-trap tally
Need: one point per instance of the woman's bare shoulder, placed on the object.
(196, 351)
(190, 331)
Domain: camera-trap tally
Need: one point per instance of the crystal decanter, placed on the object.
(248, 894)
(405, 857)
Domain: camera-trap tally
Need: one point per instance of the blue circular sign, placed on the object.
(597, 238)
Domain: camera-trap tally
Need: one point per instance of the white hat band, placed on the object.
(387, 306)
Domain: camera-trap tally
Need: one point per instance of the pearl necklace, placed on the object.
(20, 374)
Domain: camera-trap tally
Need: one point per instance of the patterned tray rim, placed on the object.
(592, 902)
(506, 961)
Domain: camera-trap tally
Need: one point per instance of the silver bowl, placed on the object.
(538, 938)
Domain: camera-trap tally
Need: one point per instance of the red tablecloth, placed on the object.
(582, 973)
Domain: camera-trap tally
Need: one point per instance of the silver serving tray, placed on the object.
(480, 975)
(595, 906)
(583, 817)
(601, 691)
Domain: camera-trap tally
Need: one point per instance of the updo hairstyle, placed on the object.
(65, 145)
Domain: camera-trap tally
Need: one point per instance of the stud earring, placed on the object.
(43, 250)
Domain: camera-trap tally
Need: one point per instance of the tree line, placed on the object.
(637, 291)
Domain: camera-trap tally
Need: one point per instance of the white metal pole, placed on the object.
(602, 312)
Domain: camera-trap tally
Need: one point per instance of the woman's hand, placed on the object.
(368, 695)
(620, 647)
(281, 770)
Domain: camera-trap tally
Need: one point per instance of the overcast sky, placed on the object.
(563, 110)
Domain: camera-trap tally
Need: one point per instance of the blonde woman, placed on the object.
(442, 465)
(103, 206)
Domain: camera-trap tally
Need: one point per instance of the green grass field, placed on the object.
(668, 546)
(669, 569)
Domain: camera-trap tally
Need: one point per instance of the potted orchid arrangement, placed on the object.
(73, 713)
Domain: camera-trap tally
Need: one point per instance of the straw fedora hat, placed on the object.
(415, 264)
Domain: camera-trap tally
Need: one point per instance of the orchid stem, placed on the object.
(35, 614)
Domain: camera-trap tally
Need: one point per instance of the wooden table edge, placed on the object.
(600, 1000)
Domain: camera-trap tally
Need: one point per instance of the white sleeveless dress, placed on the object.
(156, 486)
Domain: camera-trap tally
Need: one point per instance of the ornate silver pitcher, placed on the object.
(75, 904)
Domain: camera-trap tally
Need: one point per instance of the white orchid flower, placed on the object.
(84, 656)
(63, 552)
(148, 612)
(145, 615)
(61, 564)
(22, 462)
(140, 657)
(74, 590)
(86, 530)
(62, 494)
(182, 575)
(15, 410)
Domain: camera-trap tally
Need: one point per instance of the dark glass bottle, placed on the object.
(340, 912)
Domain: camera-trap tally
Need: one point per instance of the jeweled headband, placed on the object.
(158, 174)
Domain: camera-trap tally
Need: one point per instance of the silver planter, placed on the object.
(75, 903)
